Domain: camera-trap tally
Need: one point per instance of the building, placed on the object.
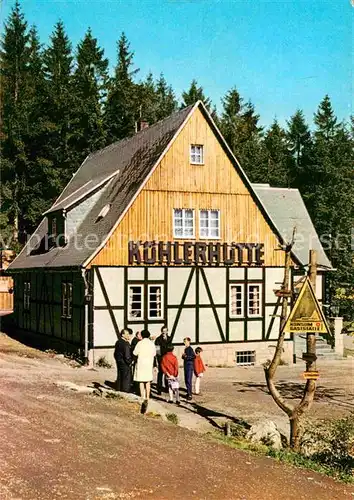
(164, 228)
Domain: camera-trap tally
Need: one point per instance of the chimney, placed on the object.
(141, 124)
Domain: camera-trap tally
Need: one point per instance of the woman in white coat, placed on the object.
(145, 352)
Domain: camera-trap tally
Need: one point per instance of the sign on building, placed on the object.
(306, 314)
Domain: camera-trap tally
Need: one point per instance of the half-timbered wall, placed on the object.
(44, 314)
(176, 183)
(196, 303)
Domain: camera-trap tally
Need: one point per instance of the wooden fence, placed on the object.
(6, 297)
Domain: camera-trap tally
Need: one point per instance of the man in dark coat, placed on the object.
(188, 359)
(123, 357)
(162, 342)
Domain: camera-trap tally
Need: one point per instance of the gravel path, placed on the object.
(60, 444)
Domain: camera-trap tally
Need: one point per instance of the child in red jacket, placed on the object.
(199, 368)
(169, 366)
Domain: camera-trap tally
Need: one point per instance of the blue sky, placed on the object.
(279, 54)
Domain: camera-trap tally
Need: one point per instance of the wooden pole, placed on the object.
(311, 337)
(310, 387)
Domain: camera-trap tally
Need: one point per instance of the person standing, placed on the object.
(123, 357)
(135, 341)
(169, 366)
(199, 368)
(161, 343)
(145, 352)
(188, 359)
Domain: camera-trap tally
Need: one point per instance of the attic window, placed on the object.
(197, 154)
(103, 212)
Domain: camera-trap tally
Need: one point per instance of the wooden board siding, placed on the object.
(6, 298)
(178, 184)
(175, 173)
(44, 314)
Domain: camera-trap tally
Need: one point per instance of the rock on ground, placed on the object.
(265, 432)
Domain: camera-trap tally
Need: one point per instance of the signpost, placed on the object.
(306, 315)
(313, 375)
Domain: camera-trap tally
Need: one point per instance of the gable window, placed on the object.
(66, 299)
(135, 301)
(209, 224)
(183, 223)
(254, 300)
(236, 301)
(26, 295)
(197, 154)
(155, 307)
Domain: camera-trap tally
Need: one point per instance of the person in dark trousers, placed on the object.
(123, 357)
(161, 343)
(188, 359)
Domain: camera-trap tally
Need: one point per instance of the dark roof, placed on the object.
(287, 210)
(132, 159)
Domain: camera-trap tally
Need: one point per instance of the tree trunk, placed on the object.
(295, 432)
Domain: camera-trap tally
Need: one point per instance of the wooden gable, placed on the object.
(176, 183)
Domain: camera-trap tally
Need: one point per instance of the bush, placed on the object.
(331, 443)
(103, 363)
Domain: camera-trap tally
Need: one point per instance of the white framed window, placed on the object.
(26, 295)
(155, 304)
(254, 305)
(135, 301)
(54, 227)
(183, 223)
(209, 224)
(236, 300)
(197, 154)
(66, 299)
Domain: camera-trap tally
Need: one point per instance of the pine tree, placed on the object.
(121, 110)
(325, 120)
(147, 100)
(239, 125)
(59, 108)
(299, 143)
(194, 94)
(14, 79)
(166, 101)
(89, 84)
(278, 157)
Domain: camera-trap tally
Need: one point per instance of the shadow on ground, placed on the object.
(208, 414)
(295, 390)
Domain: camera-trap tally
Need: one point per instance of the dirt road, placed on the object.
(58, 444)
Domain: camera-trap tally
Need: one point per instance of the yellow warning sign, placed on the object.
(306, 314)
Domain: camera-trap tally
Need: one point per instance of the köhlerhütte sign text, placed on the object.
(198, 253)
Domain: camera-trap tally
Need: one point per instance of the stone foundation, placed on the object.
(221, 355)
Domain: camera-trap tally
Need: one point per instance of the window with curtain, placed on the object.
(135, 301)
(254, 300)
(236, 301)
(197, 154)
(155, 306)
(183, 222)
(209, 224)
